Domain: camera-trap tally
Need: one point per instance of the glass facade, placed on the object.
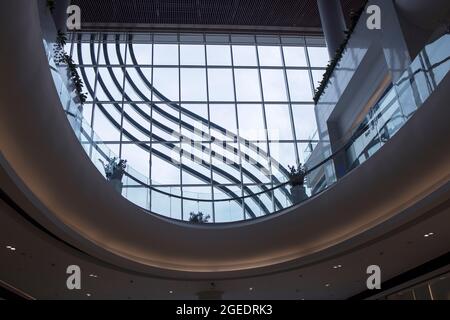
(201, 115)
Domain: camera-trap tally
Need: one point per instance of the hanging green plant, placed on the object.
(297, 175)
(62, 58)
(354, 18)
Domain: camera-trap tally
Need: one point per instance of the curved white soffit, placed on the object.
(76, 204)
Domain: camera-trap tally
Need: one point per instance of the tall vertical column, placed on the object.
(60, 14)
(333, 24)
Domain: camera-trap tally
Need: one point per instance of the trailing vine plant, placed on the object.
(354, 18)
(62, 58)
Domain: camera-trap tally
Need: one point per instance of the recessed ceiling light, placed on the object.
(338, 266)
(327, 285)
(11, 248)
(251, 288)
(171, 292)
(93, 275)
(88, 294)
(427, 235)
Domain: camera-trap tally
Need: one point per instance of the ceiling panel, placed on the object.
(268, 13)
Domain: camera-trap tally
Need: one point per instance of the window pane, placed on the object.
(138, 89)
(83, 53)
(109, 55)
(218, 55)
(220, 85)
(192, 55)
(166, 84)
(274, 85)
(137, 156)
(223, 116)
(254, 160)
(87, 113)
(109, 85)
(305, 121)
(103, 126)
(165, 123)
(196, 169)
(166, 205)
(137, 121)
(228, 210)
(166, 54)
(244, 56)
(195, 206)
(318, 56)
(294, 56)
(305, 150)
(142, 53)
(225, 159)
(251, 122)
(270, 56)
(196, 163)
(299, 85)
(247, 85)
(197, 122)
(279, 122)
(137, 194)
(193, 84)
(165, 164)
(284, 155)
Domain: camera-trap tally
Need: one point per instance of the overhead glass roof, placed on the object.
(204, 115)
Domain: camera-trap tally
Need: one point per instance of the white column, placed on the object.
(60, 14)
(333, 24)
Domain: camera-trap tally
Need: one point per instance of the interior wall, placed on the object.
(422, 21)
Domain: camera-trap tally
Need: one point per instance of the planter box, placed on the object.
(117, 185)
(298, 194)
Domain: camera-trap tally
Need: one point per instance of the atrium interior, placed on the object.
(235, 150)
